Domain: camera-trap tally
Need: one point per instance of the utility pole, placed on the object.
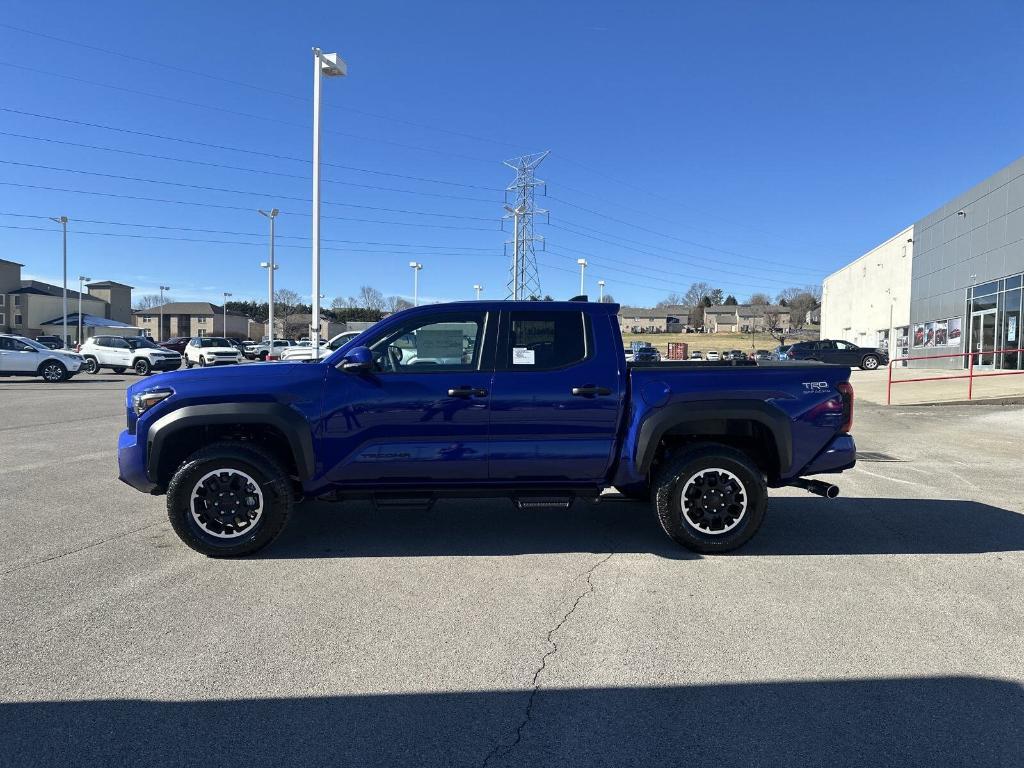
(270, 266)
(224, 330)
(478, 288)
(524, 281)
(63, 221)
(416, 267)
(81, 283)
(324, 65)
(583, 267)
(160, 333)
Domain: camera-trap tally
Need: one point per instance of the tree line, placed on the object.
(800, 301)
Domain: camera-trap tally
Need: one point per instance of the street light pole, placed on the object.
(416, 267)
(63, 221)
(324, 65)
(81, 283)
(270, 266)
(600, 288)
(224, 330)
(478, 288)
(160, 333)
(583, 267)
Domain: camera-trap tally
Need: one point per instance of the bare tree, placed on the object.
(773, 324)
(396, 303)
(759, 299)
(695, 294)
(149, 301)
(801, 301)
(370, 298)
(608, 299)
(342, 302)
(672, 299)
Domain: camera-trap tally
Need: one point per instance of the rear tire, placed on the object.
(710, 498)
(869, 363)
(229, 499)
(202, 362)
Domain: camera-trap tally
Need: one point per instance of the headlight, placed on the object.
(143, 401)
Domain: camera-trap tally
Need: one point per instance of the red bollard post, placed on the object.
(970, 377)
(888, 390)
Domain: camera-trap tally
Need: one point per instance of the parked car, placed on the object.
(22, 356)
(696, 355)
(712, 354)
(647, 355)
(176, 344)
(264, 352)
(762, 354)
(781, 352)
(305, 352)
(211, 350)
(432, 402)
(840, 353)
(50, 342)
(121, 353)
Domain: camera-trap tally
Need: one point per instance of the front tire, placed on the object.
(142, 367)
(869, 363)
(229, 499)
(53, 372)
(710, 498)
(202, 362)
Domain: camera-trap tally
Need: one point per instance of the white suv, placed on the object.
(123, 352)
(20, 356)
(210, 350)
(305, 352)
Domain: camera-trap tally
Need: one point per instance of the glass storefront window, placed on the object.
(1013, 282)
(982, 303)
(1010, 336)
(987, 288)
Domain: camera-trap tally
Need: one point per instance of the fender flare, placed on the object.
(654, 427)
(290, 423)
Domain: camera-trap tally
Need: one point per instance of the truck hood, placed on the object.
(183, 379)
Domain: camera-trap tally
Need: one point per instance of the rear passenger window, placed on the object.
(539, 341)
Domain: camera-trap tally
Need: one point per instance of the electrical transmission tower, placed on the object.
(524, 280)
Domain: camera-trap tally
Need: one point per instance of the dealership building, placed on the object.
(948, 284)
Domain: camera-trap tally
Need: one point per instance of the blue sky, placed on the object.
(750, 145)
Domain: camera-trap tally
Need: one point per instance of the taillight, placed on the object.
(845, 389)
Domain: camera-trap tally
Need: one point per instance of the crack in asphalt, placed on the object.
(528, 715)
(82, 548)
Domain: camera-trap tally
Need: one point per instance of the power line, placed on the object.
(238, 113)
(229, 148)
(207, 188)
(252, 86)
(247, 209)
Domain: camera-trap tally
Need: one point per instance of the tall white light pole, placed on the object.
(600, 288)
(81, 284)
(416, 267)
(63, 221)
(583, 268)
(224, 330)
(160, 333)
(324, 65)
(270, 266)
(478, 288)
(515, 212)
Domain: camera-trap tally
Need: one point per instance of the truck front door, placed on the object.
(556, 397)
(421, 415)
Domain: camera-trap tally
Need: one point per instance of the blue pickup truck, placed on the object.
(531, 401)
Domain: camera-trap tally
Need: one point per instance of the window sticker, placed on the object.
(522, 356)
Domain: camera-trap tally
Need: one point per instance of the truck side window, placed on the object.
(448, 342)
(542, 341)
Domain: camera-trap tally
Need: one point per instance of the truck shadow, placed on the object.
(907, 722)
(793, 526)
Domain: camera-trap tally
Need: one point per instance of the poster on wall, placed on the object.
(919, 335)
(940, 333)
(953, 332)
(929, 334)
(1011, 330)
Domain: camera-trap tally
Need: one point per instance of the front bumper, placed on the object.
(166, 365)
(131, 463)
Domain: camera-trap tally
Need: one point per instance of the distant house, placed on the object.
(26, 306)
(668, 319)
(190, 318)
(743, 318)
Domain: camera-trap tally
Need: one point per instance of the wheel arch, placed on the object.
(282, 430)
(750, 424)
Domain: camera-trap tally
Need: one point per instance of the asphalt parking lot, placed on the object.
(885, 627)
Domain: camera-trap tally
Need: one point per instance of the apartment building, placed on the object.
(191, 318)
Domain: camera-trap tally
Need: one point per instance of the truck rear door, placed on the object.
(556, 396)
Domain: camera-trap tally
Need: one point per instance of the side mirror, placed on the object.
(358, 359)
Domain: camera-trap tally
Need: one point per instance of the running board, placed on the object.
(543, 502)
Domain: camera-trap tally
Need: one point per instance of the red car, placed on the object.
(176, 343)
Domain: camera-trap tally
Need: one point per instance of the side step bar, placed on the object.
(543, 502)
(817, 487)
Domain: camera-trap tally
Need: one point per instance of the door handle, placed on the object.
(589, 390)
(467, 392)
